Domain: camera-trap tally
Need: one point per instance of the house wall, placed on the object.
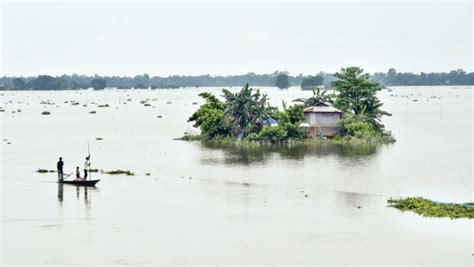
(322, 118)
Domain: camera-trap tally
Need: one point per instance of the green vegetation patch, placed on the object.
(428, 208)
(45, 113)
(247, 114)
(118, 172)
(94, 170)
(44, 171)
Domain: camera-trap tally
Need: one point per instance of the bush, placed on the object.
(272, 134)
(294, 131)
(361, 129)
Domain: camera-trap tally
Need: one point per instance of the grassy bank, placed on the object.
(428, 208)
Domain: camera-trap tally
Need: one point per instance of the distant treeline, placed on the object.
(281, 79)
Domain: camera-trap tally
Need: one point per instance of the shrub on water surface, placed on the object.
(272, 134)
(429, 208)
(116, 172)
(44, 171)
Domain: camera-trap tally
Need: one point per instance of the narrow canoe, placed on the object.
(81, 183)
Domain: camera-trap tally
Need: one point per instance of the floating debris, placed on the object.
(103, 106)
(147, 174)
(117, 172)
(159, 116)
(44, 171)
(99, 138)
(45, 113)
(92, 112)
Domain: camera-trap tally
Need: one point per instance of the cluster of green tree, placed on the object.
(246, 115)
(65, 82)
(311, 82)
(278, 79)
(394, 78)
(46, 82)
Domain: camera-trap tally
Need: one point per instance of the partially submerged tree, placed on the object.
(98, 83)
(357, 94)
(310, 82)
(210, 117)
(282, 81)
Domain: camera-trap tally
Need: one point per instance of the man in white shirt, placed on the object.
(87, 165)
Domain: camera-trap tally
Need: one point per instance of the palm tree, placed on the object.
(246, 111)
(317, 98)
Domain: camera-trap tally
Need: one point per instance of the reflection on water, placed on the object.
(256, 154)
(79, 189)
(60, 192)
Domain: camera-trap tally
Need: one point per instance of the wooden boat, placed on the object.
(80, 182)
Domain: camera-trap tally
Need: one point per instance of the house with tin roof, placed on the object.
(321, 120)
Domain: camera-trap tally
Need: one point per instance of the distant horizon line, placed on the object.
(224, 75)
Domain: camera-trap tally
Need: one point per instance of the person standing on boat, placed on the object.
(87, 165)
(60, 169)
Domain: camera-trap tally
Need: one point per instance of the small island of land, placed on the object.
(351, 114)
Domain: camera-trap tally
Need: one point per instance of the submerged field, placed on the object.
(189, 202)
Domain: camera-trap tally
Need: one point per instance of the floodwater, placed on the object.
(211, 205)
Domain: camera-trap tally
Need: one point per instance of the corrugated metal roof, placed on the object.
(322, 107)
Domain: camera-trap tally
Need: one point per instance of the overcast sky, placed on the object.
(129, 38)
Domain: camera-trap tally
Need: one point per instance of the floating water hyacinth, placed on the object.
(117, 172)
(428, 208)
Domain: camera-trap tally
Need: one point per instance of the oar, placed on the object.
(89, 167)
(65, 177)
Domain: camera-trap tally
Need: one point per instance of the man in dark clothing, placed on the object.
(60, 169)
